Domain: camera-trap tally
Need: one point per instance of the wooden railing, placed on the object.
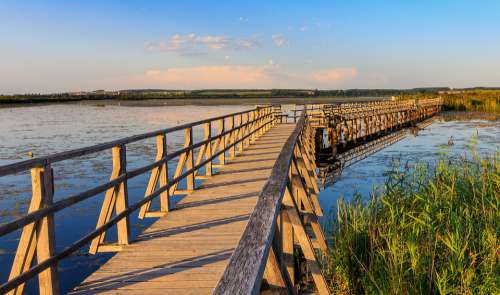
(348, 111)
(287, 204)
(235, 132)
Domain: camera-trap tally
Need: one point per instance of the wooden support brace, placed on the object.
(305, 243)
(115, 198)
(160, 175)
(299, 189)
(273, 275)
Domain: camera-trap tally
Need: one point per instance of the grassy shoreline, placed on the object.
(432, 231)
(189, 101)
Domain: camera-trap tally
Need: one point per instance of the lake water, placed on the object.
(54, 128)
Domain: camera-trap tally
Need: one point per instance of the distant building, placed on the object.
(450, 92)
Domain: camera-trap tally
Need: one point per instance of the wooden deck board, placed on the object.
(187, 250)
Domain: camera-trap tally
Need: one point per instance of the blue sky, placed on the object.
(52, 46)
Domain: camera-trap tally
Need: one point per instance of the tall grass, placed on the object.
(434, 230)
(470, 100)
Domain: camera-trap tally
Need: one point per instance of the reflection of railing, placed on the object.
(287, 201)
(331, 170)
(235, 132)
(329, 173)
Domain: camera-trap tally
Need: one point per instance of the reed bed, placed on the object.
(433, 230)
(470, 100)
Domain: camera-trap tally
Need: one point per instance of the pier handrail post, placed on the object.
(240, 133)
(188, 142)
(208, 149)
(232, 138)
(38, 237)
(222, 142)
(116, 198)
(159, 174)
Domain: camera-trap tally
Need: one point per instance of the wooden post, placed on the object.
(38, 235)
(287, 242)
(247, 129)
(240, 133)
(45, 247)
(115, 198)
(123, 227)
(208, 150)
(231, 139)
(160, 175)
(188, 142)
(304, 242)
(253, 126)
(222, 143)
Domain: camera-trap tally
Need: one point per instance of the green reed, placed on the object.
(470, 100)
(433, 230)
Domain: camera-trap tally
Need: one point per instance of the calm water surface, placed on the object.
(48, 129)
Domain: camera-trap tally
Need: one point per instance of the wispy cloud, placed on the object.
(334, 75)
(243, 19)
(196, 44)
(208, 76)
(279, 40)
(266, 75)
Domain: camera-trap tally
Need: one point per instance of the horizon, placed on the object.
(61, 47)
(437, 88)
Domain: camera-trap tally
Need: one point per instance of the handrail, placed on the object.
(228, 139)
(246, 266)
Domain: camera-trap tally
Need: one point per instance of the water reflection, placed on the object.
(363, 174)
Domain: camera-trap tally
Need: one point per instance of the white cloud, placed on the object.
(196, 44)
(243, 19)
(334, 75)
(268, 75)
(279, 40)
(208, 76)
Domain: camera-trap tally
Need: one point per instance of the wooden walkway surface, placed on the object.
(186, 251)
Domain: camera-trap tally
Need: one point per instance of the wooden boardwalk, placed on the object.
(252, 227)
(187, 251)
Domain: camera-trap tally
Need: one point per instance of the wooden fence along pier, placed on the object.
(251, 225)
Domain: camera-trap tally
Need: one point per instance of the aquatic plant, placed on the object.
(433, 230)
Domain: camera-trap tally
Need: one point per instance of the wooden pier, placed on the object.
(250, 227)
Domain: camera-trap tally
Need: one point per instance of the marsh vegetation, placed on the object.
(432, 229)
(479, 100)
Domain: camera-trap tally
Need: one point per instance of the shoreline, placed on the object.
(194, 101)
